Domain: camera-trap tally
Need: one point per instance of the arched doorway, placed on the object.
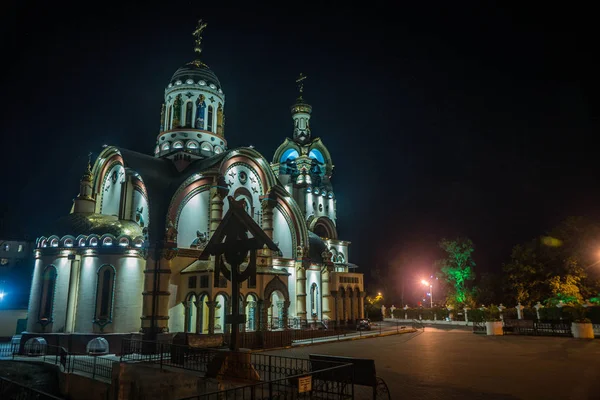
(251, 301)
(276, 310)
(221, 302)
(203, 314)
(191, 313)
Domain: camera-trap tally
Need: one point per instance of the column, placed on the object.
(355, 298)
(267, 217)
(156, 290)
(361, 305)
(300, 291)
(216, 208)
(73, 294)
(334, 301)
(211, 316)
(326, 295)
(199, 305)
(347, 305)
(286, 306)
(243, 311)
(339, 301)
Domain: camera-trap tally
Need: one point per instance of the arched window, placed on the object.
(105, 294)
(314, 292)
(209, 123)
(48, 292)
(289, 154)
(189, 106)
(168, 121)
(178, 145)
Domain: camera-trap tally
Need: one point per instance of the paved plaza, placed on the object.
(454, 363)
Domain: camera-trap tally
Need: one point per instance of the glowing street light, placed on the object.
(424, 282)
(1, 294)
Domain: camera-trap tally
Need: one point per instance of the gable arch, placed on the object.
(323, 225)
(275, 284)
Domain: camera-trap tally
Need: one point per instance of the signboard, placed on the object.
(304, 384)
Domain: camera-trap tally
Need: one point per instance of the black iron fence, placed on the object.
(535, 328)
(96, 366)
(335, 382)
(10, 389)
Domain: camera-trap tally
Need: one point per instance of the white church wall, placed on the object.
(194, 217)
(129, 286)
(59, 311)
(319, 206)
(111, 191)
(86, 299)
(282, 234)
(177, 318)
(34, 297)
(292, 290)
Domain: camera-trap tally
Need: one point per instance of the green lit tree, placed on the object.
(457, 271)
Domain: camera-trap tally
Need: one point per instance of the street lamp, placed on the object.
(424, 282)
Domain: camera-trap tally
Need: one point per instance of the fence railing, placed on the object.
(330, 383)
(530, 327)
(96, 366)
(10, 389)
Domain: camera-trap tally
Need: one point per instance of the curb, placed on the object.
(347, 339)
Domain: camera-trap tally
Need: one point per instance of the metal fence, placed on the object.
(535, 328)
(335, 382)
(96, 366)
(10, 389)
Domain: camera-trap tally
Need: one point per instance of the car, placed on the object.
(363, 324)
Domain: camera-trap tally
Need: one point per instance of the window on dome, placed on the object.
(94, 241)
(165, 146)
(206, 146)
(157, 150)
(68, 242)
(107, 242)
(82, 242)
(105, 293)
(168, 123)
(289, 154)
(209, 123)
(54, 243)
(316, 155)
(218, 150)
(48, 291)
(192, 144)
(178, 145)
(189, 107)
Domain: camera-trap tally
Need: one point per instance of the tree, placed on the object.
(456, 270)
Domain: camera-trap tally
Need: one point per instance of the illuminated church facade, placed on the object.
(128, 258)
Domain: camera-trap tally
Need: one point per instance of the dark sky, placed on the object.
(441, 121)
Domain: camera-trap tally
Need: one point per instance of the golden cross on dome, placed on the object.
(300, 82)
(198, 36)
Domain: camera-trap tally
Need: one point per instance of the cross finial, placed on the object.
(300, 82)
(198, 36)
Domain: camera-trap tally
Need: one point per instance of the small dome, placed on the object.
(87, 223)
(196, 71)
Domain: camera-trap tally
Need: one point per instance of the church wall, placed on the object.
(292, 290)
(34, 296)
(128, 294)
(282, 234)
(247, 185)
(140, 202)
(59, 309)
(86, 299)
(320, 206)
(194, 217)
(111, 191)
(177, 318)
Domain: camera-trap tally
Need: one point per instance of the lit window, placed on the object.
(124, 242)
(202, 83)
(94, 241)
(212, 86)
(316, 191)
(6, 247)
(289, 154)
(54, 243)
(157, 150)
(139, 243)
(209, 124)
(308, 189)
(206, 146)
(178, 83)
(4, 261)
(218, 150)
(316, 155)
(189, 81)
(68, 242)
(189, 107)
(105, 294)
(20, 248)
(192, 144)
(178, 145)
(165, 146)
(107, 242)
(82, 242)
(47, 297)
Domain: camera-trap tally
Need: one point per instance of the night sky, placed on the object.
(441, 121)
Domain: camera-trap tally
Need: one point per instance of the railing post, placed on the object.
(161, 356)
(94, 369)
(269, 374)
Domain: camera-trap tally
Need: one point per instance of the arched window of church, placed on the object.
(189, 106)
(209, 122)
(48, 292)
(105, 293)
(168, 120)
(314, 292)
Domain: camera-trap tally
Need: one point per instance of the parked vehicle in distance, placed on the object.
(363, 324)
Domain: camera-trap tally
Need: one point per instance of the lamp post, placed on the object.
(424, 282)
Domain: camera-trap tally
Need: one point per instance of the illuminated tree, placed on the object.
(456, 270)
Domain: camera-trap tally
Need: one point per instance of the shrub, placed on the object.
(593, 313)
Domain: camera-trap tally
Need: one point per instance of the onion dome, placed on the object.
(91, 223)
(195, 72)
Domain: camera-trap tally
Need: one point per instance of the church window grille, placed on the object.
(204, 281)
(192, 282)
(189, 107)
(105, 293)
(48, 292)
(209, 122)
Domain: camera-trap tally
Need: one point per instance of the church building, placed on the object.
(129, 256)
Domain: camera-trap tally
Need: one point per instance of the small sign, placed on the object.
(304, 384)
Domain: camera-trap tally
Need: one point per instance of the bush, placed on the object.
(529, 313)
(510, 313)
(593, 313)
(476, 315)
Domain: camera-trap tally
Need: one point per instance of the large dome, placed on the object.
(196, 71)
(85, 224)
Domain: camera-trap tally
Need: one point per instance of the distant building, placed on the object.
(129, 256)
(16, 267)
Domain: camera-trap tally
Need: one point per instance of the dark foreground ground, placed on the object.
(457, 364)
(34, 375)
